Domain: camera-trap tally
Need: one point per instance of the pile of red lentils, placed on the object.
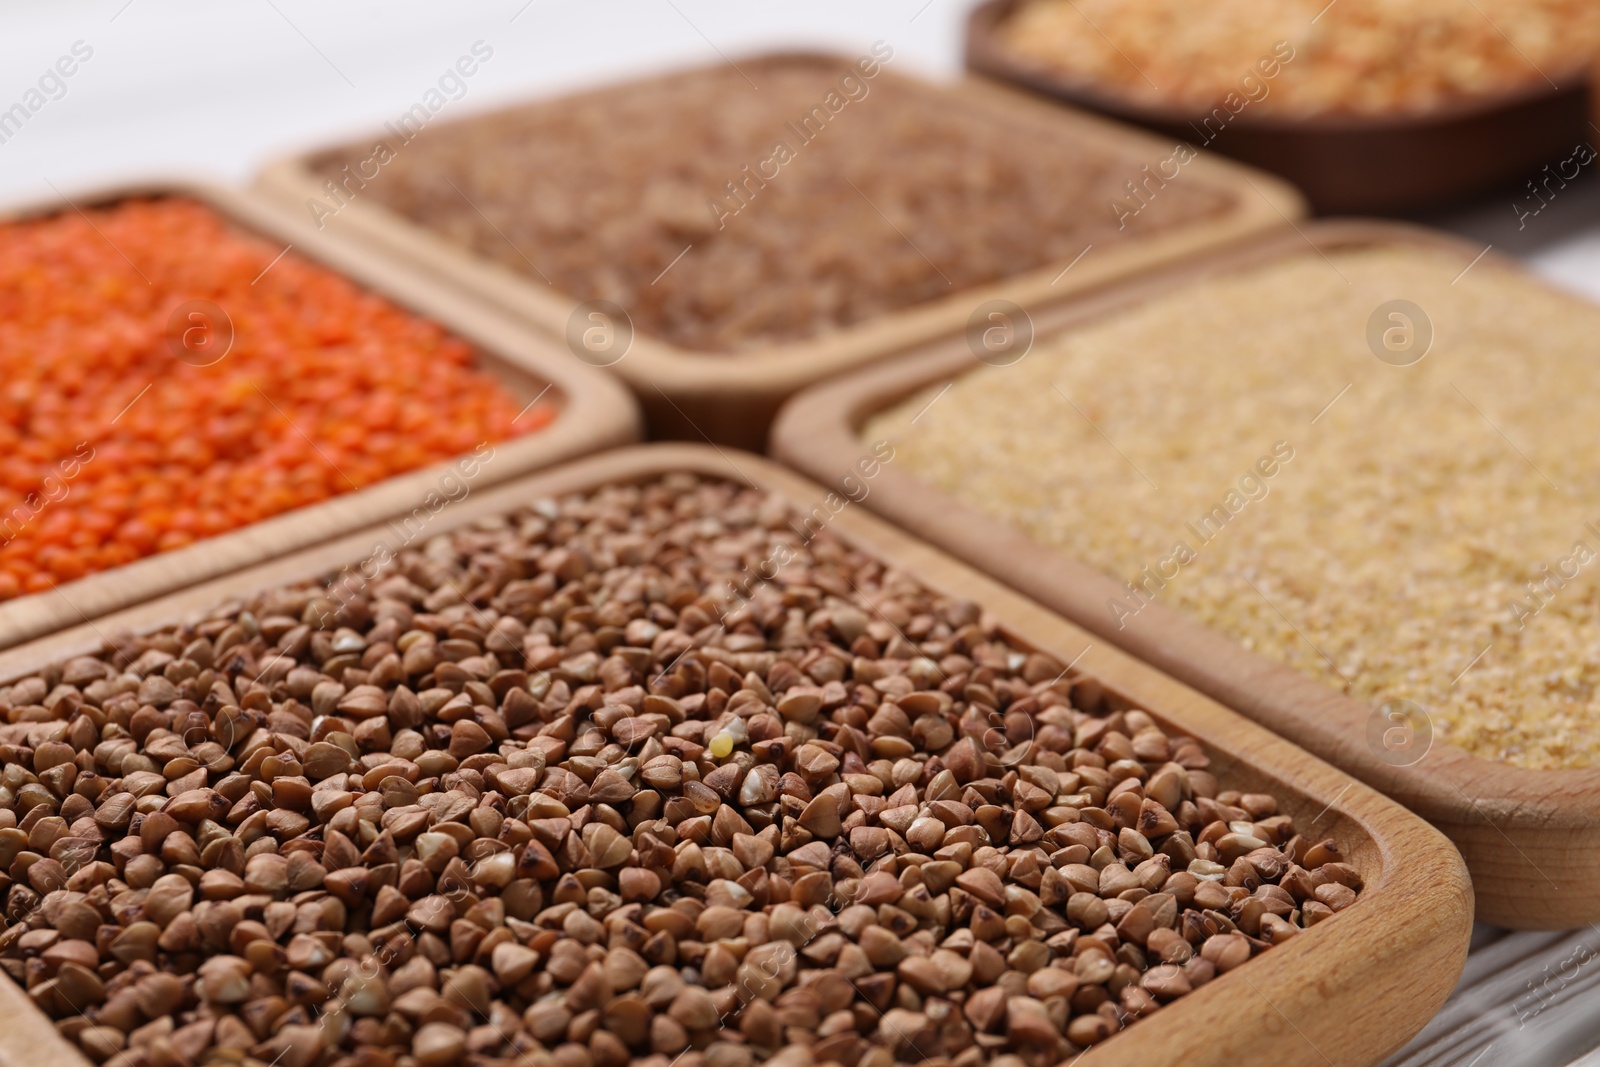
(128, 426)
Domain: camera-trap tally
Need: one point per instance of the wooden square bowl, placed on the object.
(730, 397)
(1345, 991)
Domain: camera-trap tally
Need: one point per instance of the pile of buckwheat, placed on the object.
(574, 788)
(1427, 532)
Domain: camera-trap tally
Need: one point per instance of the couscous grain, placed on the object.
(1237, 449)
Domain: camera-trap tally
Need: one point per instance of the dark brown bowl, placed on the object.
(1345, 164)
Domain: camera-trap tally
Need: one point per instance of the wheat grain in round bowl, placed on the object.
(1353, 57)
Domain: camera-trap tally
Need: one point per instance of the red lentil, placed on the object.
(114, 448)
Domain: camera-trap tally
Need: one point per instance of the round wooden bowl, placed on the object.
(1344, 164)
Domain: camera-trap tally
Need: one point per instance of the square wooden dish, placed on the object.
(1531, 838)
(1345, 164)
(593, 414)
(1346, 991)
(731, 397)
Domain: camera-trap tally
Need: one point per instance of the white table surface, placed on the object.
(191, 88)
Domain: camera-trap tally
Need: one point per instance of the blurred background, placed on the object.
(181, 87)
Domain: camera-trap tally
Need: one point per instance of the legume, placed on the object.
(1353, 57)
(1400, 540)
(115, 448)
(564, 788)
(672, 198)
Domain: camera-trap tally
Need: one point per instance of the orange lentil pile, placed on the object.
(113, 448)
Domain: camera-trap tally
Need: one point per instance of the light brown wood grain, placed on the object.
(731, 398)
(27, 1036)
(1345, 992)
(1530, 838)
(594, 414)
